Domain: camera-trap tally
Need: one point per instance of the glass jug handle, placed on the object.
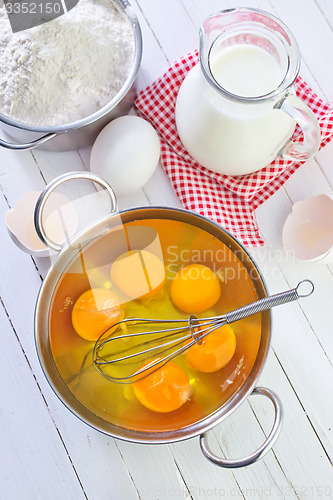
(306, 119)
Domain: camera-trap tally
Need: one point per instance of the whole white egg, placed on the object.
(126, 153)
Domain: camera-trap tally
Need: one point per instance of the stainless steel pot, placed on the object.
(42, 313)
(82, 132)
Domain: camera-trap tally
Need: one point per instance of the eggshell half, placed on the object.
(308, 230)
(60, 221)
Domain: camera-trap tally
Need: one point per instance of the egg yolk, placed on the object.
(195, 289)
(95, 311)
(215, 351)
(163, 390)
(138, 274)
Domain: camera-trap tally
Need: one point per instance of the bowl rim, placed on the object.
(125, 8)
(47, 362)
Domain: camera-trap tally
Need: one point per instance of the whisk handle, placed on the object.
(269, 302)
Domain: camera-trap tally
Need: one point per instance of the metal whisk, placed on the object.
(117, 356)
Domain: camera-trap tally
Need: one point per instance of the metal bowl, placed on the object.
(88, 237)
(82, 132)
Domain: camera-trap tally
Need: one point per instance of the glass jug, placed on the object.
(236, 109)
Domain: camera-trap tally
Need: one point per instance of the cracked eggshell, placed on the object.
(308, 230)
(60, 222)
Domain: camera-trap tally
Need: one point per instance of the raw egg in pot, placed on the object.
(195, 289)
(215, 351)
(138, 274)
(185, 390)
(164, 390)
(95, 311)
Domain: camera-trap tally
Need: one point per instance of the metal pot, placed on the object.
(82, 132)
(42, 314)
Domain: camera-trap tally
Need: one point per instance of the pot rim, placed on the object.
(125, 8)
(41, 316)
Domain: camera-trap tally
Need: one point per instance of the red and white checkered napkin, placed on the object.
(230, 201)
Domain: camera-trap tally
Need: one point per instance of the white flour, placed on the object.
(66, 69)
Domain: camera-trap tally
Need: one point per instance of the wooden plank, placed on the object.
(304, 17)
(159, 191)
(171, 27)
(154, 471)
(203, 479)
(299, 187)
(326, 9)
(33, 460)
(324, 160)
(297, 446)
(240, 435)
(296, 345)
(154, 60)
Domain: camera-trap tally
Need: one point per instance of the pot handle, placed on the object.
(43, 197)
(264, 448)
(27, 145)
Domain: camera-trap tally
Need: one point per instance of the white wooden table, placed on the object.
(47, 453)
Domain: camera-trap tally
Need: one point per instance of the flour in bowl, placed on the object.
(66, 69)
